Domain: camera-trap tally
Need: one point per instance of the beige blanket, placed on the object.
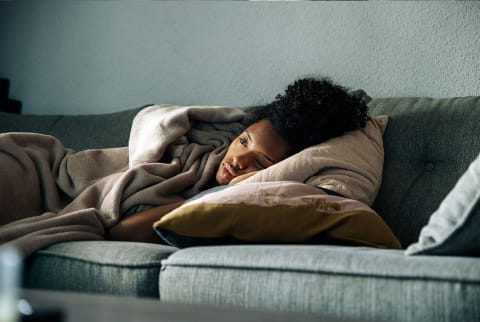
(50, 194)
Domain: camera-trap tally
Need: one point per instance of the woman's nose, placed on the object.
(242, 160)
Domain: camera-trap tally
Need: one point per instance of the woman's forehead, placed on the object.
(266, 140)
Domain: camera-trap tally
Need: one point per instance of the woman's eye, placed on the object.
(243, 141)
(260, 164)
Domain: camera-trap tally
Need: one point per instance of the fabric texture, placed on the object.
(288, 212)
(54, 194)
(454, 229)
(121, 268)
(351, 164)
(429, 143)
(363, 283)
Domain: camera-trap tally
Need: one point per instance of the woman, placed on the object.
(310, 112)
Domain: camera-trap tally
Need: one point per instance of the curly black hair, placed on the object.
(311, 111)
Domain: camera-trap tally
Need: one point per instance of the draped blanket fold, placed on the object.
(50, 194)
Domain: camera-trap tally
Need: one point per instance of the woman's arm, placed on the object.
(138, 227)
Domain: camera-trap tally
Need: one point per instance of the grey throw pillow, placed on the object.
(454, 228)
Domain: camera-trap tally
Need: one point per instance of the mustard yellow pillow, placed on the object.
(273, 212)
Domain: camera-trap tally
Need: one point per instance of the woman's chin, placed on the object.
(222, 179)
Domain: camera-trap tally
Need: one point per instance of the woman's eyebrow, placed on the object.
(263, 154)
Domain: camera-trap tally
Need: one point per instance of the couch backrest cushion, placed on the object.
(78, 132)
(428, 144)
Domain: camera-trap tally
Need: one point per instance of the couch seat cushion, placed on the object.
(333, 280)
(120, 268)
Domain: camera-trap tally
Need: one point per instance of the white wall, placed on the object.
(78, 57)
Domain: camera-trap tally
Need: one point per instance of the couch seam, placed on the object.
(146, 265)
(280, 270)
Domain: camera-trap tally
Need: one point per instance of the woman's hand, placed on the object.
(242, 177)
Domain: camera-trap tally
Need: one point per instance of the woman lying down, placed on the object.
(310, 112)
(119, 193)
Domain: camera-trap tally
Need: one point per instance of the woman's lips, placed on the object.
(227, 171)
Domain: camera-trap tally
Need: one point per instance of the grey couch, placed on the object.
(429, 143)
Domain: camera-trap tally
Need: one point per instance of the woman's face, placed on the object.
(257, 148)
